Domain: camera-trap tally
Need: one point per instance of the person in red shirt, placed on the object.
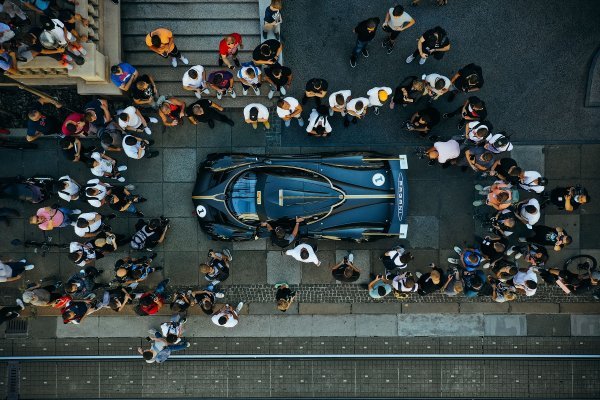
(228, 49)
(75, 125)
(151, 302)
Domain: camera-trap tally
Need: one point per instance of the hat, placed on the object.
(28, 296)
(254, 114)
(383, 95)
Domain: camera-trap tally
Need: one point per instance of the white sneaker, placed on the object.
(153, 120)
(219, 295)
(287, 123)
(152, 331)
(228, 254)
(331, 112)
(283, 91)
(122, 168)
(76, 52)
(233, 94)
(422, 61)
(239, 307)
(20, 304)
(69, 67)
(148, 131)
(453, 261)
(219, 95)
(270, 95)
(510, 250)
(256, 91)
(486, 265)
(410, 59)
(83, 51)
(184, 60)
(174, 62)
(29, 267)
(457, 250)
(300, 122)
(121, 179)
(245, 92)
(351, 257)
(518, 255)
(206, 91)
(76, 211)
(130, 187)
(418, 274)
(198, 94)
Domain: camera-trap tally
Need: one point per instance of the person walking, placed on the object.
(356, 109)
(305, 253)
(289, 108)
(273, 20)
(227, 317)
(161, 41)
(194, 79)
(365, 32)
(9, 313)
(207, 111)
(249, 76)
(228, 50)
(284, 296)
(13, 270)
(255, 113)
(433, 42)
(279, 79)
(396, 21)
(378, 96)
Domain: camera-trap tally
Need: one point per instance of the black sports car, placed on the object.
(354, 196)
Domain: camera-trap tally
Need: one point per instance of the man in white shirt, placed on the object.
(96, 192)
(195, 79)
(437, 85)
(304, 253)
(532, 181)
(249, 77)
(529, 212)
(318, 123)
(378, 96)
(104, 166)
(477, 131)
(498, 143)
(89, 224)
(289, 108)
(338, 101)
(69, 189)
(255, 113)
(227, 317)
(396, 21)
(357, 109)
(130, 119)
(137, 148)
(526, 282)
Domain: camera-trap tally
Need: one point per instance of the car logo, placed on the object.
(378, 179)
(201, 211)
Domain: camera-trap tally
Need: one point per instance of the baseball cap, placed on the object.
(254, 114)
(383, 95)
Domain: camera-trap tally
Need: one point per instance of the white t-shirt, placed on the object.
(392, 253)
(532, 219)
(374, 95)
(398, 284)
(293, 106)
(316, 120)
(242, 74)
(398, 22)
(167, 328)
(472, 130)
(96, 184)
(447, 150)
(58, 33)
(88, 251)
(345, 94)
(132, 151)
(351, 105)
(231, 322)
(312, 256)
(263, 112)
(134, 121)
(491, 144)
(71, 189)
(5, 272)
(432, 78)
(104, 166)
(81, 232)
(521, 277)
(197, 83)
(530, 176)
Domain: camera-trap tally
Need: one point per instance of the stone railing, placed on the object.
(103, 50)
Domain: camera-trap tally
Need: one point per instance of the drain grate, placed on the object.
(16, 328)
(13, 381)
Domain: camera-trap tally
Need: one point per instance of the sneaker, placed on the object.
(69, 67)
(287, 123)
(486, 265)
(353, 61)
(76, 211)
(219, 295)
(350, 257)
(418, 274)
(239, 307)
(219, 95)
(153, 120)
(410, 59)
(331, 112)
(188, 344)
(233, 94)
(20, 304)
(206, 91)
(479, 188)
(457, 250)
(198, 94)
(518, 255)
(184, 60)
(390, 49)
(245, 92)
(300, 122)
(256, 91)
(121, 179)
(376, 110)
(265, 33)
(365, 52)
(510, 250)
(83, 51)
(139, 214)
(228, 254)
(122, 168)
(183, 320)
(282, 91)
(522, 240)
(422, 61)
(210, 288)
(174, 62)
(478, 203)
(453, 261)
(271, 93)
(29, 267)
(277, 35)
(130, 187)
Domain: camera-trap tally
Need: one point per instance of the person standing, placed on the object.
(227, 317)
(288, 109)
(410, 91)
(39, 123)
(305, 253)
(144, 92)
(123, 75)
(433, 42)
(279, 78)
(161, 42)
(378, 96)
(423, 121)
(228, 50)
(396, 21)
(254, 113)
(267, 52)
(138, 148)
(249, 76)
(172, 111)
(356, 109)
(345, 271)
(195, 79)
(11, 312)
(284, 296)
(48, 218)
(272, 20)
(206, 111)
(222, 83)
(13, 270)
(317, 88)
(365, 32)
(338, 101)
(468, 79)
(437, 85)
(130, 119)
(318, 122)
(473, 109)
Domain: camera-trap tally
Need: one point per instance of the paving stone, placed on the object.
(145, 170)
(243, 135)
(585, 325)
(563, 162)
(183, 231)
(281, 268)
(529, 157)
(505, 325)
(248, 268)
(440, 325)
(533, 308)
(180, 136)
(588, 231)
(376, 308)
(422, 202)
(12, 162)
(271, 309)
(362, 260)
(483, 308)
(177, 200)
(332, 379)
(377, 325)
(548, 325)
(181, 267)
(321, 309)
(590, 162)
(291, 326)
(319, 274)
(423, 231)
(422, 308)
(579, 308)
(180, 165)
(259, 244)
(334, 325)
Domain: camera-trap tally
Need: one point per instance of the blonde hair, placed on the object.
(276, 4)
(205, 268)
(283, 304)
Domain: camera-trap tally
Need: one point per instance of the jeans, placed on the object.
(160, 289)
(359, 47)
(173, 347)
(132, 209)
(67, 219)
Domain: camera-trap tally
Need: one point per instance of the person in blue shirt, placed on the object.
(123, 75)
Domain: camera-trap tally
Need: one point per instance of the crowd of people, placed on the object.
(487, 268)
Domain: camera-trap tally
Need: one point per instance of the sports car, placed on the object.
(356, 196)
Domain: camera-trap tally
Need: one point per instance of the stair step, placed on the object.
(174, 11)
(238, 103)
(192, 27)
(136, 2)
(204, 58)
(190, 43)
(177, 90)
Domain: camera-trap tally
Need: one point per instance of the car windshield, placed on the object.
(242, 198)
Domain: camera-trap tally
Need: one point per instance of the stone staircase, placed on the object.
(198, 26)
